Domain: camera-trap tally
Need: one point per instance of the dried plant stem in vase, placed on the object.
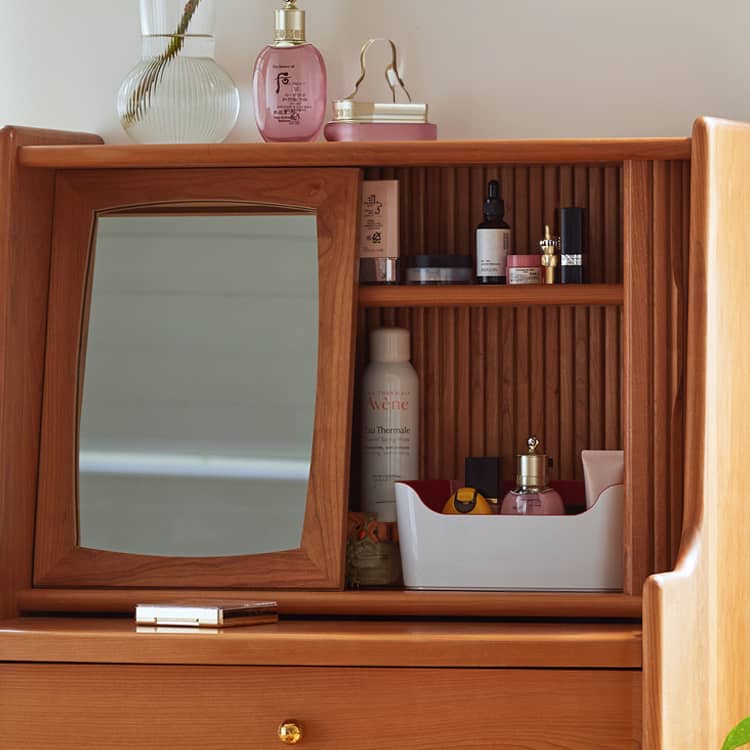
(140, 97)
(177, 93)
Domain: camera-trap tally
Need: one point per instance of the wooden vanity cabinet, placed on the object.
(649, 357)
(341, 708)
(348, 685)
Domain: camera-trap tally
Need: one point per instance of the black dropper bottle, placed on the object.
(493, 239)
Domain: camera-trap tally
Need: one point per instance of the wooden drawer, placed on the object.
(75, 706)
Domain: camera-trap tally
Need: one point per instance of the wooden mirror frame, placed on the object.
(82, 196)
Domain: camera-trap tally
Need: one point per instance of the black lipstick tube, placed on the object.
(572, 235)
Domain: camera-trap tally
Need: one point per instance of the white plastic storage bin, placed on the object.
(509, 553)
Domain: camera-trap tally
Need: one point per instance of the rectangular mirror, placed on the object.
(199, 370)
(199, 387)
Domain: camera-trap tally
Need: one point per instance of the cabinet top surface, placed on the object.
(416, 153)
(327, 643)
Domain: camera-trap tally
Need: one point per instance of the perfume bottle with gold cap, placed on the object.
(532, 497)
(289, 82)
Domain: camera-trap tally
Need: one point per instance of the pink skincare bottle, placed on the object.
(532, 497)
(289, 82)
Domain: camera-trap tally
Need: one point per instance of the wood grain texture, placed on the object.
(80, 196)
(671, 264)
(26, 198)
(491, 296)
(544, 360)
(638, 348)
(419, 153)
(540, 375)
(339, 709)
(656, 257)
(681, 213)
(659, 362)
(701, 610)
(362, 603)
(322, 643)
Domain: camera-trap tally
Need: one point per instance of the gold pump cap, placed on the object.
(549, 244)
(550, 255)
(290, 25)
(531, 466)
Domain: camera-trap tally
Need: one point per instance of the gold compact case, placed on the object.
(200, 615)
(355, 120)
(351, 110)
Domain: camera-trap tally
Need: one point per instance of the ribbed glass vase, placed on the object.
(177, 93)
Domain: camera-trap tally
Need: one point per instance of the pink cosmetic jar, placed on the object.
(524, 269)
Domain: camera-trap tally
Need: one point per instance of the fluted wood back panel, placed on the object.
(657, 212)
(671, 184)
(490, 377)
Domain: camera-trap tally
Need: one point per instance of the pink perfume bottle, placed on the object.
(532, 497)
(289, 82)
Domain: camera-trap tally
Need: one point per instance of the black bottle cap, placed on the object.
(571, 230)
(484, 474)
(494, 207)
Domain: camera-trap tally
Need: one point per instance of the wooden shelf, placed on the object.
(364, 603)
(416, 154)
(490, 296)
(327, 643)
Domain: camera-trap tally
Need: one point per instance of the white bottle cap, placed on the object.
(390, 345)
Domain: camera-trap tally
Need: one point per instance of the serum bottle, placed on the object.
(493, 239)
(289, 82)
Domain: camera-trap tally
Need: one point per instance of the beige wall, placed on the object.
(514, 68)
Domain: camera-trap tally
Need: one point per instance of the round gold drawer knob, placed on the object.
(290, 732)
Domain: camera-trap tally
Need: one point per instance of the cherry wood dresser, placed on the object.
(651, 358)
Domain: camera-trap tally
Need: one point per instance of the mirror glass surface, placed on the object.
(198, 396)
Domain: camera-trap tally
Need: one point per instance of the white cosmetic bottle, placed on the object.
(390, 416)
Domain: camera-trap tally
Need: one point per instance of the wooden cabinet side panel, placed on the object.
(125, 707)
(26, 198)
(696, 645)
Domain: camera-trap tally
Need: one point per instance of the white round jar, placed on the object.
(390, 421)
